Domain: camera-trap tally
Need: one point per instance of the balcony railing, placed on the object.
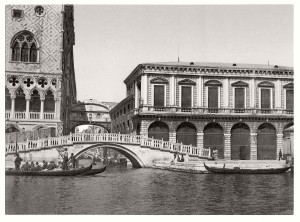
(32, 115)
(233, 111)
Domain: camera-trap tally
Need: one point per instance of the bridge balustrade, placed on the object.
(72, 139)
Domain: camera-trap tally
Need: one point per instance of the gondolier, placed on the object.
(18, 161)
(65, 159)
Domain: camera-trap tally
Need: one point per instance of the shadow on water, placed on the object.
(127, 190)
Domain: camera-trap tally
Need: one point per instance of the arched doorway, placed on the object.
(158, 130)
(214, 138)
(266, 142)
(186, 134)
(35, 102)
(20, 104)
(49, 105)
(240, 142)
(7, 99)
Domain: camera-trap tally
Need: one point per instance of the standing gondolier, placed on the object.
(18, 161)
(65, 159)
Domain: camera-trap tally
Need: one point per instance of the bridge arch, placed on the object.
(134, 159)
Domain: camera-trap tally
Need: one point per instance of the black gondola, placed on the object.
(94, 171)
(49, 172)
(238, 170)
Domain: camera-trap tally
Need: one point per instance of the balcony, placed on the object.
(198, 111)
(31, 115)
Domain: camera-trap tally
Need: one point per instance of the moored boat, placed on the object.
(239, 170)
(94, 171)
(49, 172)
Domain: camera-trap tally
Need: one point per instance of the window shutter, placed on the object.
(239, 98)
(212, 97)
(186, 96)
(289, 99)
(265, 99)
(159, 95)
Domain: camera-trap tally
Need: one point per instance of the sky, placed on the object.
(110, 41)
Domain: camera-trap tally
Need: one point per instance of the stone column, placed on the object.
(279, 144)
(42, 108)
(253, 146)
(136, 96)
(200, 136)
(172, 91)
(252, 93)
(172, 136)
(226, 93)
(278, 90)
(57, 108)
(27, 107)
(144, 89)
(199, 91)
(227, 146)
(12, 111)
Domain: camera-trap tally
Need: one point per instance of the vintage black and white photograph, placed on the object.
(150, 109)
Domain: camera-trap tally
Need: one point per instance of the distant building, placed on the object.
(39, 70)
(239, 109)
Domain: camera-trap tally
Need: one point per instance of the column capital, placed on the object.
(27, 97)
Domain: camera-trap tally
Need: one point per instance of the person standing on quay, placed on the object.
(18, 161)
(280, 155)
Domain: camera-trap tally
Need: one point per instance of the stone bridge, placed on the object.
(141, 151)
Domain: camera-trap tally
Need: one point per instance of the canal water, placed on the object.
(150, 191)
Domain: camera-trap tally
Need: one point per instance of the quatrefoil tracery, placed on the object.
(28, 82)
(42, 82)
(13, 80)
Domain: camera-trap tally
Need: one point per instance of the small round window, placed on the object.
(39, 10)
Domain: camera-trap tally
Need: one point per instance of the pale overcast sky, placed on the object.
(112, 40)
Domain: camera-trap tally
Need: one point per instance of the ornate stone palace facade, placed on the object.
(39, 70)
(241, 110)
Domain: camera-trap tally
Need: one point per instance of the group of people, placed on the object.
(177, 158)
(66, 164)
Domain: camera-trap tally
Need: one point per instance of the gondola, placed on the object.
(94, 171)
(238, 170)
(49, 172)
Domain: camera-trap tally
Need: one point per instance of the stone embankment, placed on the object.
(198, 166)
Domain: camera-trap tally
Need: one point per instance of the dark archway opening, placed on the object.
(240, 142)
(49, 104)
(186, 134)
(7, 100)
(20, 104)
(214, 138)
(35, 102)
(266, 142)
(158, 130)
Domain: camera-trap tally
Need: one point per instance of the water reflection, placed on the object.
(148, 191)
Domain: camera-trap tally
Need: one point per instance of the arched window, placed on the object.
(24, 52)
(240, 142)
(15, 52)
(266, 142)
(24, 48)
(33, 53)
